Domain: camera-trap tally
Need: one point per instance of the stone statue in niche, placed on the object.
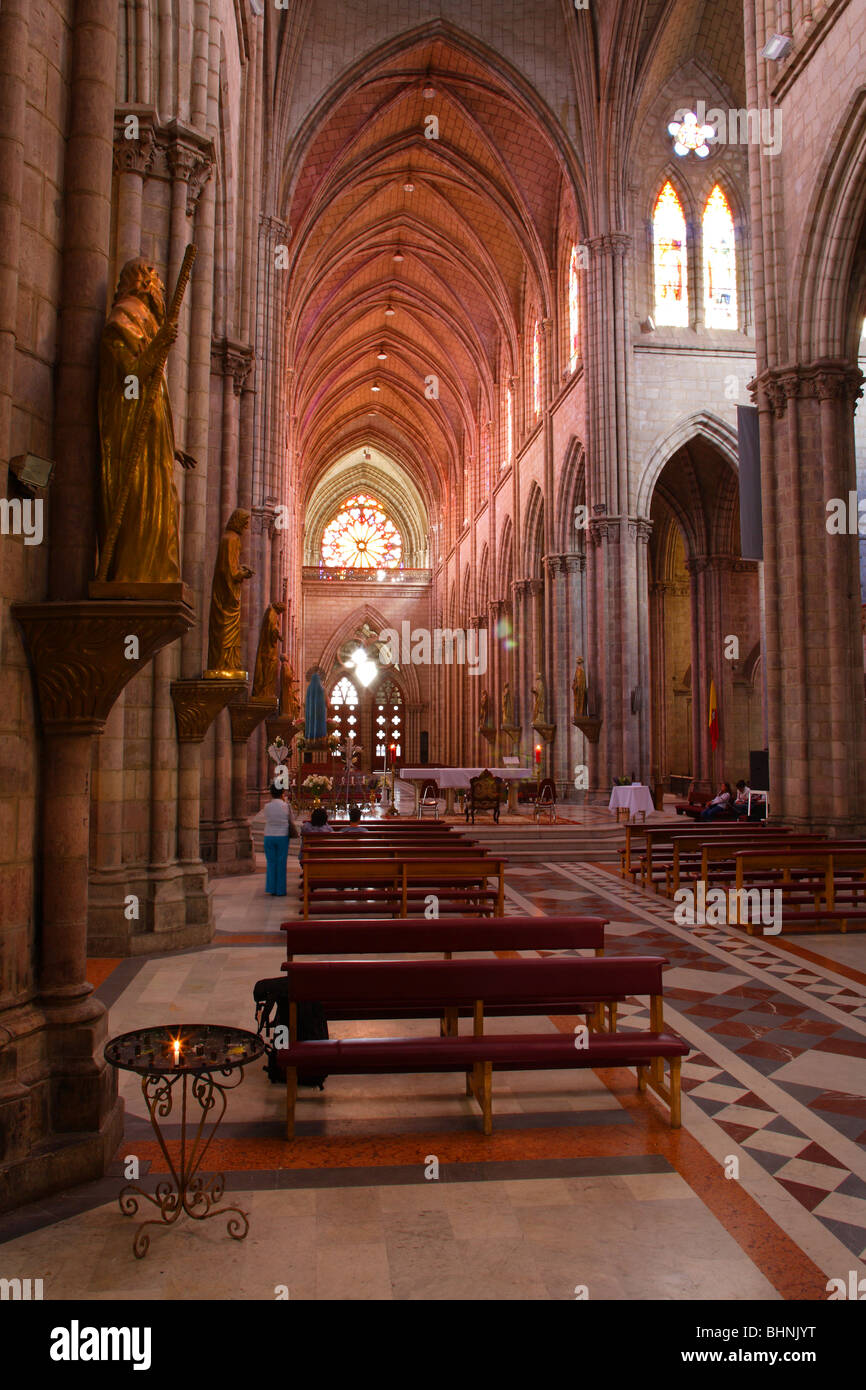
(290, 702)
(578, 687)
(484, 711)
(539, 709)
(266, 676)
(224, 626)
(138, 503)
(507, 706)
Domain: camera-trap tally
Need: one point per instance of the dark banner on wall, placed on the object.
(749, 445)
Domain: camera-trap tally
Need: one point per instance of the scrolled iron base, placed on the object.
(187, 1190)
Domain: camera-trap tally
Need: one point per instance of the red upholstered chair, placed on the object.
(485, 794)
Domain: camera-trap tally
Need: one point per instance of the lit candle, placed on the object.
(175, 1042)
(537, 754)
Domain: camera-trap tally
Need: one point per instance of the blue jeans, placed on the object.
(276, 854)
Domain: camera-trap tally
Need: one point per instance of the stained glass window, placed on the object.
(388, 720)
(344, 707)
(573, 315)
(671, 274)
(536, 369)
(361, 536)
(720, 265)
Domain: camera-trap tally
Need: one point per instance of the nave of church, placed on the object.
(432, 651)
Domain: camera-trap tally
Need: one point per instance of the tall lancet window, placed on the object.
(536, 369)
(720, 263)
(509, 426)
(573, 311)
(671, 272)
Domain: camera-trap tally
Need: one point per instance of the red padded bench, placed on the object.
(481, 984)
(388, 937)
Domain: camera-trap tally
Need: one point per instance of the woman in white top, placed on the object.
(279, 825)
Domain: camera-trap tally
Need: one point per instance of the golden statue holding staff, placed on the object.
(138, 512)
(224, 626)
(267, 668)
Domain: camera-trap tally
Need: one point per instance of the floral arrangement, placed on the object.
(356, 748)
(333, 740)
(317, 783)
(300, 743)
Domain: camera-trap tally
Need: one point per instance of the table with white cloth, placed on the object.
(636, 798)
(450, 779)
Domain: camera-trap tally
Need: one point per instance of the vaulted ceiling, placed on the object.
(454, 235)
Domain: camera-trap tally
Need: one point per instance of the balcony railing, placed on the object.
(367, 576)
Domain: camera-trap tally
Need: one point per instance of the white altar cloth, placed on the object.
(636, 798)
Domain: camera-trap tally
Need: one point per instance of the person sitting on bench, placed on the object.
(719, 804)
(741, 800)
(355, 818)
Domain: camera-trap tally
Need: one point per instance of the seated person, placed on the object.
(741, 800)
(355, 818)
(318, 823)
(720, 803)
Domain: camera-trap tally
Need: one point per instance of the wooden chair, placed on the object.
(485, 794)
(429, 800)
(545, 802)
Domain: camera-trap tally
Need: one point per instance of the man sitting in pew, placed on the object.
(741, 800)
(355, 819)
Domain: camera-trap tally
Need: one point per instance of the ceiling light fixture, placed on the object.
(408, 186)
(429, 93)
(398, 256)
(389, 312)
(375, 386)
(382, 355)
(777, 48)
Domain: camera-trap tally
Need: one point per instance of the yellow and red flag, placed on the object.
(714, 716)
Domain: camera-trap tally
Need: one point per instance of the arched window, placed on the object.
(509, 425)
(720, 263)
(344, 706)
(361, 536)
(389, 720)
(573, 310)
(669, 254)
(536, 369)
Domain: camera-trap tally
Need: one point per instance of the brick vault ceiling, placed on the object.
(478, 239)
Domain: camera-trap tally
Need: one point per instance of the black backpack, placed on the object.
(272, 1011)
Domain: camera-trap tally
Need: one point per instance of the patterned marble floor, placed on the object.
(582, 1183)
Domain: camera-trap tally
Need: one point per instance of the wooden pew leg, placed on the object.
(676, 1095)
(469, 1083)
(487, 1096)
(291, 1099)
(641, 1078)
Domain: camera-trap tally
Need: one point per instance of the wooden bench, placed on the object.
(387, 937)
(692, 863)
(456, 880)
(833, 876)
(482, 985)
(657, 836)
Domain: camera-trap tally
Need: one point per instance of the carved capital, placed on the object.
(78, 653)
(247, 715)
(198, 702)
(604, 529)
(640, 528)
(193, 165)
(825, 379)
(234, 360)
(134, 156)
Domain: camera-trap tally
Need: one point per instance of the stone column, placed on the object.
(133, 161)
(521, 661)
(814, 660)
(13, 110)
(83, 294)
(659, 757)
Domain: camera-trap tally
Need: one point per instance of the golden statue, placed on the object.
(578, 686)
(138, 508)
(267, 668)
(224, 626)
(539, 709)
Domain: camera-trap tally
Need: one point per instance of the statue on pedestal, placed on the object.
(578, 686)
(138, 503)
(290, 703)
(539, 709)
(224, 626)
(315, 709)
(267, 668)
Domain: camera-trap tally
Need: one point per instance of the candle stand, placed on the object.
(184, 1063)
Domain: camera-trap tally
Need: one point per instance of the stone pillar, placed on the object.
(13, 110)
(814, 661)
(133, 161)
(83, 294)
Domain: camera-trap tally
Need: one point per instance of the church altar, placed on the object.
(450, 779)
